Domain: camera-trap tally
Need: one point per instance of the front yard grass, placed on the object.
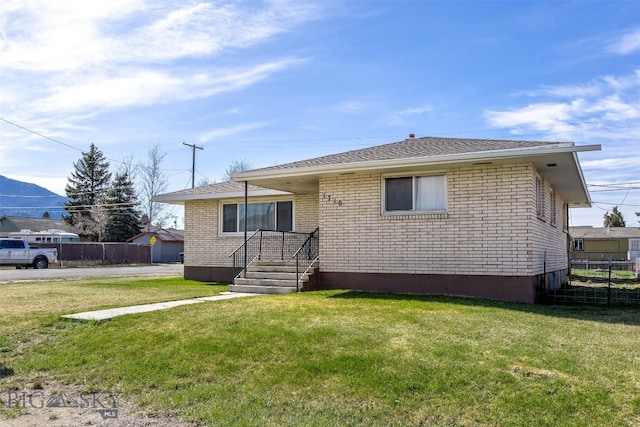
(343, 358)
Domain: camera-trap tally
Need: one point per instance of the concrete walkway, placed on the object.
(101, 315)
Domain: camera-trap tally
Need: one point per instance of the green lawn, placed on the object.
(342, 358)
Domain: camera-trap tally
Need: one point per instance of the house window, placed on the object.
(415, 194)
(265, 215)
(578, 244)
(539, 197)
(553, 208)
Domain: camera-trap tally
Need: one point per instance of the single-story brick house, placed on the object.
(473, 217)
(605, 243)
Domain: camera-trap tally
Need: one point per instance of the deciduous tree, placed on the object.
(235, 167)
(153, 182)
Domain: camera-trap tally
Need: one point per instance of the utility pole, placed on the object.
(193, 162)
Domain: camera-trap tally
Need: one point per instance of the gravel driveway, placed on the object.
(14, 275)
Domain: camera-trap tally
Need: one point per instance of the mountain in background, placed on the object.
(19, 198)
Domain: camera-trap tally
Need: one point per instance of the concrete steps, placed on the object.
(270, 277)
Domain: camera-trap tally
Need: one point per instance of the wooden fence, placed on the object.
(103, 253)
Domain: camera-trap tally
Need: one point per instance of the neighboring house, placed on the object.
(169, 243)
(605, 243)
(10, 224)
(483, 218)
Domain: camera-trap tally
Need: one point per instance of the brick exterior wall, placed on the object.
(491, 242)
(491, 227)
(205, 246)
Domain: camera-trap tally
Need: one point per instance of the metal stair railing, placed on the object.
(267, 245)
(306, 255)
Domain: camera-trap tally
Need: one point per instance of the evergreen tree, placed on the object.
(614, 219)
(123, 219)
(85, 188)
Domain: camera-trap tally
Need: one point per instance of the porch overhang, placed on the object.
(180, 197)
(558, 164)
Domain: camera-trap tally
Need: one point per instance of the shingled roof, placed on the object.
(219, 190)
(588, 232)
(555, 161)
(414, 148)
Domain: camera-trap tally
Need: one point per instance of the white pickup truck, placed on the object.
(18, 253)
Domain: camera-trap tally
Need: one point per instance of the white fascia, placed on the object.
(179, 198)
(415, 162)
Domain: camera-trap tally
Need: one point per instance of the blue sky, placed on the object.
(271, 82)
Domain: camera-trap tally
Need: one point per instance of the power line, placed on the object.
(74, 208)
(40, 135)
(615, 204)
(614, 184)
(614, 190)
(52, 139)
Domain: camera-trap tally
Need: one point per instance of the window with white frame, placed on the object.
(263, 215)
(415, 194)
(578, 244)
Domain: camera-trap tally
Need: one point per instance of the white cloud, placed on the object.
(72, 56)
(627, 43)
(607, 107)
(611, 163)
(138, 87)
(568, 91)
(231, 130)
(71, 35)
(61, 35)
(621, 83)
(400, 117)
(352, 107)
(65, 63)
(605, 110)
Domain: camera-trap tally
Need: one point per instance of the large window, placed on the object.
(266, 216)
(415, 194)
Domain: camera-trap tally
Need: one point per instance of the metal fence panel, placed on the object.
(598, 282)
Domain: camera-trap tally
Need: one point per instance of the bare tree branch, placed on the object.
(153, 182)
(235, 167)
